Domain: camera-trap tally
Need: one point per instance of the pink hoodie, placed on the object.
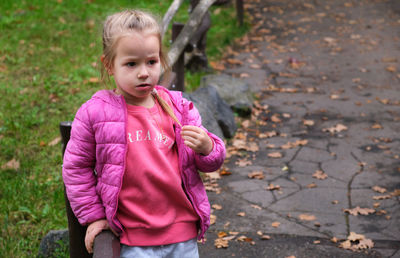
(94, 160)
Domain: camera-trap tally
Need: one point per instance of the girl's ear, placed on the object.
(106, 65)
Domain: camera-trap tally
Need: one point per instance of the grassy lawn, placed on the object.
(49, 52)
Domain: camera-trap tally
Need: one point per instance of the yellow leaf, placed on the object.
(307, 217)
(275, 155)
(312, 185)
(391, 68)
(275, 224)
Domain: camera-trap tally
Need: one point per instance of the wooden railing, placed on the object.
(185, 38)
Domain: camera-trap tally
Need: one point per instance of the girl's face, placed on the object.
(136, 68)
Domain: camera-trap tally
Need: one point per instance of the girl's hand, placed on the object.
(92, 231)
(197, 139)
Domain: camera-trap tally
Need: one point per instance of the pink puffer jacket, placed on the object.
(94, 160)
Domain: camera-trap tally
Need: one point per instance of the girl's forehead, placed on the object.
(138, 43)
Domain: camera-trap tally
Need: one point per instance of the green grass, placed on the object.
(49, 51)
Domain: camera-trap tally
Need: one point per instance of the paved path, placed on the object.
(324, 136)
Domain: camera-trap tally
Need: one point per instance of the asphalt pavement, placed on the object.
(315, 171)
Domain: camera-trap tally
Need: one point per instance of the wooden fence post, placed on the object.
(239, 11)
(75, 230)
(179, 67)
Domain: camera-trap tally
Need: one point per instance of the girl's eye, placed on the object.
(152, 62)
(130, 64)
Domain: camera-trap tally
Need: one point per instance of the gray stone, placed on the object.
(53, 241)
(208, 97)
(207, 116)
(234, 91)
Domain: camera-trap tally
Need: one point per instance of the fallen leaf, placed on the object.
(317, 242)
(221, 243)
(273, 187)
(222, 234)
(256, 175)
(216, 207)
(54, 142)
(357, 210)
(354, 236)
(267, 134)
(312, 185)
(213, 219)
(391, 68)
(241, 214)
(12, 164)
(275, 224)
(308, 122)
(379, 189)
(365, 244)
(319, 174)
(234, 61)
(256, 207)
(307, 217)
(335, 129)
(217, 66)
(275, 155)
(382, 197)
(377, 126)
(243, 162)
(94, 80)
(265, 237)
(275, 118)
(334, 239)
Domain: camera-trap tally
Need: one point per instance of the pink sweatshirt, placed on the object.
(153, 207)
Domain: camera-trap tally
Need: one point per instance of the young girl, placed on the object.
(132, 161)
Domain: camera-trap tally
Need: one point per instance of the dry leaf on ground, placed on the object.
(275, 155)
(221, 243)
(319, 174)
(335, 129)
(379, 189)
(275, 224)
(312, 185)
(241, 214)
(256, 175)
(55, 141)
(216, 207)
(213, 219)
(272, 187)
(382, 197)
(356, 242)
(357, 210)
(307, 217)
(12, 164)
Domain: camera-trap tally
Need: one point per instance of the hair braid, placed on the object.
(166, 107)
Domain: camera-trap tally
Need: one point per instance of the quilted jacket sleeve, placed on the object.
(78, 170)
(214, 160)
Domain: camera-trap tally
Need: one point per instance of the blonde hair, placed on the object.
(121, 24)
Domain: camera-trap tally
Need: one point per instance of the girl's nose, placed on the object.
(143, 73)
